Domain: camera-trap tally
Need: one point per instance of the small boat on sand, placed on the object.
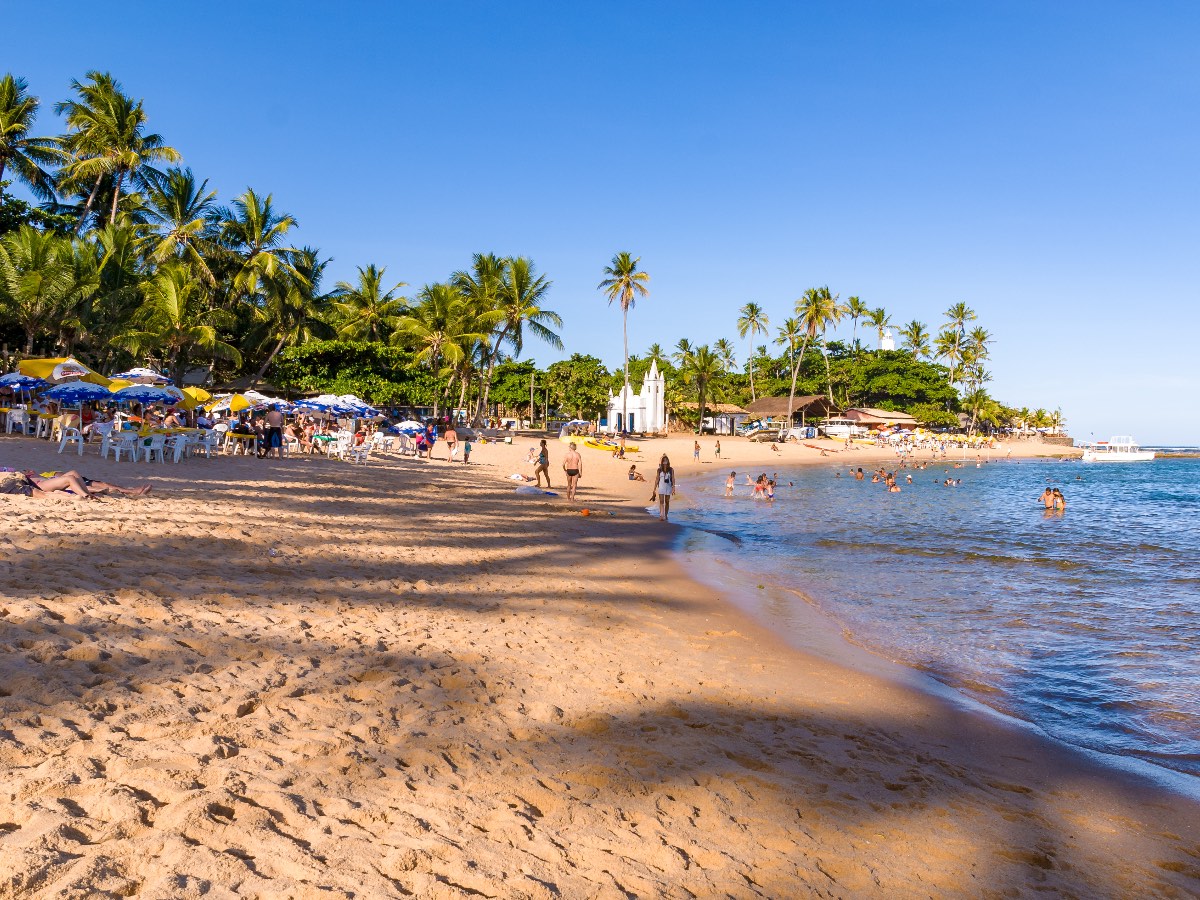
(1121, 448)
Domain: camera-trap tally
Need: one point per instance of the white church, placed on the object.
(642, 411)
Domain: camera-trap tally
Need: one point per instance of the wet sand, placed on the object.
(311, 679)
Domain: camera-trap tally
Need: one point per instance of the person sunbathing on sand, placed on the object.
(78, 485)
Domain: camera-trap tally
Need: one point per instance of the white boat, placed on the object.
(1121, 448)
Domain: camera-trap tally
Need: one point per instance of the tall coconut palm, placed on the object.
(107, 137)
(682, 348)
(880, 321)
(39, 281)
(817, 310)
(520, 298)
(700, 368)
(788, 336)
(21, 155)
(292, 308)
(624, 282)
(855, 310)
(724, 350)
(656, 354)
(752, 321)
(957, 317)
(180, 210)
(440, 325)
(916, 338)
(368, 311)
(254, 234)
(177, 321)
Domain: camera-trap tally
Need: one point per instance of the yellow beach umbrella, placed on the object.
(117, 383)
(193, 397)
(60, 369)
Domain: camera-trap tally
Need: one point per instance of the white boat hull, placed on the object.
(1117, 455)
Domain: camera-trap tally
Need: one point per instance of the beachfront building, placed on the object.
(644, 410)
(886, 341)
(774, 409)
(719, 418)
(869, 417)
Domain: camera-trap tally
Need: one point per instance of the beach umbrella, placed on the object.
(238, 402)
(142, 375)
(75, 392)
(200, 395)
(61, 369)
(148, 394)
(17, 381)
(409, 427)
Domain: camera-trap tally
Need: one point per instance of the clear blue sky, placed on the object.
(1035, 160)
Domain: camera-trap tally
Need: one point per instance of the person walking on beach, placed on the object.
(664, 487)
(573, 466)
(729, 484)
(717, 451)
(696, 452)
(275, 423)
(543, 465)
(451, 439)
(431, 437)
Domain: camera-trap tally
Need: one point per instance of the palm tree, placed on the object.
(817, 310)
(177, 322)
(253, 233)
(292, 309)
(107, 138)
(439, 327)
(367, 311)
(855, 310)
(624, 282)
(656, 354)
(880, 321)
(39, 282)
(724, 351)
(957, 317)
(700, 368)
(23, 155)
(946, 346)
(682, 348)
(752, 321)
(916, 338)
(522, 292)
(179, 210)
(788, 335)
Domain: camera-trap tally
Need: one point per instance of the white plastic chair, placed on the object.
(156, 444)
(126, 442)
(18, 420)
(103, 429)
(290, 445)
(43, 427)
(342, 445)
(70, 435)
(178, 444)
(359, 454)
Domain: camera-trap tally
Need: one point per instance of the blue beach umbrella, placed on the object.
(148, 394)
(142, 375)
(74, 393)
(21, 382)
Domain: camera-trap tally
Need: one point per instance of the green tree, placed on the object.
(179, 210)
(752, 321)
(579, 384)
(624, 282)
(254, 237)
(378, 373)
(817, 310)
(724, 350)
(916, 338)
(880, 321)
(657, 354)
(440, 326)
(107, 138)
(177, 322)
(368, 311)
(292, 309)
(700, 369)
(39, 282)
(856, 310)
(22, 155)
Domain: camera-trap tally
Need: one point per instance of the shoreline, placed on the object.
(510, 698)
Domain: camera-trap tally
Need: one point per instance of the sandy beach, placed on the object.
(311, 679)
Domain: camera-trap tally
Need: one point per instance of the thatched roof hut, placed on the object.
(802, 407)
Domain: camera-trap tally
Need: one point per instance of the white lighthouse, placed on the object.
(886, 341)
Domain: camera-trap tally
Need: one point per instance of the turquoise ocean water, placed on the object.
(1085, 623)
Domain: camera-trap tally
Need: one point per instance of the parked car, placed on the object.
(841, 429)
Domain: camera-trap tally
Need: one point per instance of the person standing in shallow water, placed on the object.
(729, 482)
(664, 487)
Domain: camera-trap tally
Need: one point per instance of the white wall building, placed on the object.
(886, 341)
(646, 409)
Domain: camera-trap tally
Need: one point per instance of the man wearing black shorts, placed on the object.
(573, 466)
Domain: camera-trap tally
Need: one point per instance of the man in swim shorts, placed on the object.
(573, 466)
(729, 484)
